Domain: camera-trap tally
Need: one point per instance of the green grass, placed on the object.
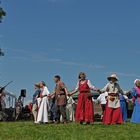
(30, 131)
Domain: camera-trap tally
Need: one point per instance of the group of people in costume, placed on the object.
(56, 103)
(112, 99)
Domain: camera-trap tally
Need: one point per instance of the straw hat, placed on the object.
(37, 85)
(137, 82)
(113, 76)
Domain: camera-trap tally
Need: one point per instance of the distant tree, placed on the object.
(2, 13)
(1, 52)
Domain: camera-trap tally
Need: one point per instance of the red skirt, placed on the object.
(84, 109)
(112, 116)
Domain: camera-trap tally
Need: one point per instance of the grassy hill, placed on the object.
(30, 131)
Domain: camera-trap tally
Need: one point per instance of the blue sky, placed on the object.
(42, 38)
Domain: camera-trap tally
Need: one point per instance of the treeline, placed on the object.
(2, 13)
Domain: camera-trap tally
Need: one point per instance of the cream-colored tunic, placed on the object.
(113, 88)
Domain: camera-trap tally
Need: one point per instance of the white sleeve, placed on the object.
(46, 91)
(125, 97)
(105, 88)
(77, 87)
(91, 86)
(73, 102)
(99, 98)
(106, 94)
(93, 100)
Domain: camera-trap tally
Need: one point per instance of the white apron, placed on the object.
(115, 103)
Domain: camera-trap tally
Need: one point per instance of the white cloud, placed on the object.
(71, 63)
(59, 50)
(126, 74)
(25, 55)
(1, 44)
(53, 1)
(1, 36)
(21, 58)
(96, 66)
(129, 75)
(90, 66)
(138, 52)
(20, 51)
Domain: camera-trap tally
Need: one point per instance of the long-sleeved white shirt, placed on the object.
(92, 87)
(45, 91)
(112, 88)
(102, 98)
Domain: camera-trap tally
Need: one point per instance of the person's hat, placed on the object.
(43, 83)
(137, 82)
(113, 76)
(37, 85)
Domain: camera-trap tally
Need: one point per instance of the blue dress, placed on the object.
(123, 108)
(136, 112)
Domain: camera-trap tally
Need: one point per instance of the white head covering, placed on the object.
(136, 81)
(113, 76)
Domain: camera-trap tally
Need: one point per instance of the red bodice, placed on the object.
(84, 87)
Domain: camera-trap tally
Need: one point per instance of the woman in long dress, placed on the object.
(43, 104)
(136, 100)
(123, 102)
(112, 113)
(84, 110)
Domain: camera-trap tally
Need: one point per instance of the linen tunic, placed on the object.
(113, 88)
(60, 94)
